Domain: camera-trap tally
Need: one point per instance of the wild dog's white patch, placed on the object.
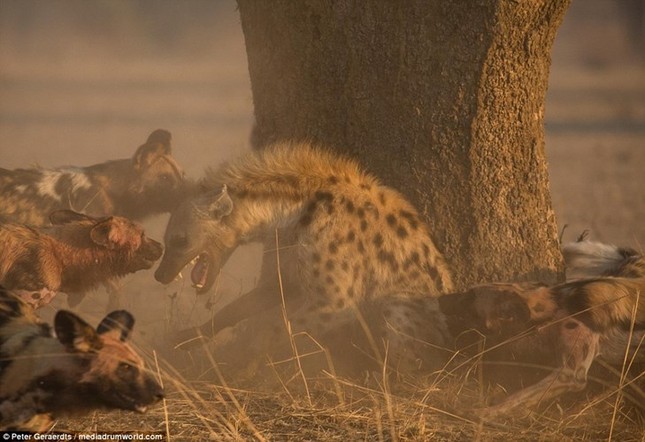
(47, 184)
(590, 259)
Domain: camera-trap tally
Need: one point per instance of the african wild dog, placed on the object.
(353, 238)
(43, 377)
(149, 183)
(573, 322)
(73, 255)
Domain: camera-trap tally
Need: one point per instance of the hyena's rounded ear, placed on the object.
(158, 144)
(215, 204)
(222, 204)
(119, 323)
(75, 334)
(65, 216)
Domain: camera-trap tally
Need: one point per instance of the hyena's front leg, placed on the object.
(254, 303)
(579, 346)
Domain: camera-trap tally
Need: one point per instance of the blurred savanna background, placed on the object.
(82, 82)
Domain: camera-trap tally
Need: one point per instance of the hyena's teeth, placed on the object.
(179, 277)
(198, 286)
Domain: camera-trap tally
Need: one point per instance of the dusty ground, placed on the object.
(80, 89)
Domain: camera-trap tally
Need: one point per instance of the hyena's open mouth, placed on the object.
(203, 268)
(199, 274)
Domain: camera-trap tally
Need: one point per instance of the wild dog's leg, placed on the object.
(578, 347)
(114, 290)
(36, 298)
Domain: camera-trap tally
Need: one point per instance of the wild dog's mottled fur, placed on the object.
(580, 319)
(82, 369)
(603, 300)
(353, 238)
(149, 183)
(73, 255)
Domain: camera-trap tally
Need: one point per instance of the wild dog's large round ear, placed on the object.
(158, 143)
(75, 334)
(64, 216)
(115, 232)
(118, 323)
(100, 234)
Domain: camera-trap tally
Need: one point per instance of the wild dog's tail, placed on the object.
(590, 259)
(604, 284)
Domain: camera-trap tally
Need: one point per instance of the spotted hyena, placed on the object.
(149, 183)
(73, 255)
(82, 369)
(352, 238)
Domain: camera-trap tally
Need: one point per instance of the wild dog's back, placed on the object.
(150, 182)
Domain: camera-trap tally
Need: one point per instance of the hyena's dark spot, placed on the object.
(571, 325)
(378, 240)
(412, 220)
(401, 232)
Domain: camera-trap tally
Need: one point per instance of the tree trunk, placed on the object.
(442, 100)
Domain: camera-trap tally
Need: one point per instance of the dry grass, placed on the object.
(282, 400)
(197, 411)
(282, 403)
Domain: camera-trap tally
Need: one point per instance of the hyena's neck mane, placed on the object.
(271, 187)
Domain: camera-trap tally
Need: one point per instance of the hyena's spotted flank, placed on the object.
(82, 369)
(353, 239)
(75, 254)
(149, 183)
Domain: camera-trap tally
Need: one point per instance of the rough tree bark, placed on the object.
(443, 100)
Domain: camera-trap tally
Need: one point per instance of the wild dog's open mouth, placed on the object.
(128, 402)
(199, 274)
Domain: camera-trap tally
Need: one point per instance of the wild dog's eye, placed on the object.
(125, 367)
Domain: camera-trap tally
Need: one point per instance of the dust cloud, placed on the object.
(84, 82)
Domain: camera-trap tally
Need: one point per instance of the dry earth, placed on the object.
(82, 83)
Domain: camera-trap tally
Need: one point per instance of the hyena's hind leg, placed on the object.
(411, 331)
(579, 346)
